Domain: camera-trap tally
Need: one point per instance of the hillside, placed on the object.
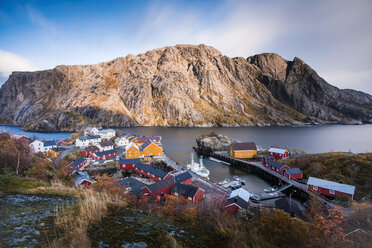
(183, 85)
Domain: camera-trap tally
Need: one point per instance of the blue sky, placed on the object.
(334, 37)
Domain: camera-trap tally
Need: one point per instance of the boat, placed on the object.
(242, 181)
(226, 180)
(198, 168)
(271, 189)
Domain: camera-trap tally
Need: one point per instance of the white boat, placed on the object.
(226, 180)
(271, 189)
(242, 181)
(198, 168)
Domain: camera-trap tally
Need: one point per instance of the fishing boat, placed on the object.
(242, 181)
(198, 168)
(225, 181)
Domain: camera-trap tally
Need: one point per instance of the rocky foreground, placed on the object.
(183, 85)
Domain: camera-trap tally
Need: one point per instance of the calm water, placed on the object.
(178, 142)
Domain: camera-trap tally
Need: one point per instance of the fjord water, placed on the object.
(178, 142)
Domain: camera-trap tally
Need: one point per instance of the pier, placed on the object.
(295, 188)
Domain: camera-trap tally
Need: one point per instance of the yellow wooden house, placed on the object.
(150, 149)
(243, 150)
(132, 151)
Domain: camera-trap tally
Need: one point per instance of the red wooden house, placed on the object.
(82, 179)
(293, 173)
(128, 164)
(103, 155)
(267, 157)
(78, 163)
(278, 153)
(61, 143)
(188, 192)
(89, 150)
(238, 199)
(329, 188)
(151, 172)
(184, 178)
(275, 166)
(164, 186)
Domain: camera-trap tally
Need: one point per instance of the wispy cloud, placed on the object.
(10, 62)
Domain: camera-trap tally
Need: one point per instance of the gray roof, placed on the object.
(185, 189)
(77, 162)
(340, 187)
(153, 171)
(275, 164)
(50, 143)
(161, 184)
(183, 177)
(243, 146)
(89, 137)
(293, 171)
(106, 143)
(98, 154)
(134, 185)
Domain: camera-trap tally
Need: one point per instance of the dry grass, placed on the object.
(74, 221)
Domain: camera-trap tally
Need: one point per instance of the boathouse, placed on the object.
(329, 188)
(293, 173)
(184, 178)
(164, 186)
(243, 150)
(78, 163)
(276, 166)
(89, 150)
(151, 172)
(265, 158)
(239, 199)
(103, 155)
(188, 192)
(278, 153)
(128, 164)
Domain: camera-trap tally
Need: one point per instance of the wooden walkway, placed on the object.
(301, 188)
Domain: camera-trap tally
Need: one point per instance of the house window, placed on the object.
(315, 187)
(189, 198)
(331, 191)
(175, 193)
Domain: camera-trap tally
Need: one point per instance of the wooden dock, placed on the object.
(298, 190)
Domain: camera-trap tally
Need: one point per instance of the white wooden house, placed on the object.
(42, 146)
(85, 141)
(90, 131)
(121, 141)
(106, 133)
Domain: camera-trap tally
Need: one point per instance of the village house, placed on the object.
(278, 153)
(188, 192)
(128, 164)
(184, 178)
(329, 188)
(243, 150)
(239, 199)
(85, 141)
(105, 145)
(121, 141)
(89, 150)
(150, 149)
(42, 146)
(151, 172)
(132, 185)
(78, 163)
(144, 139)
(132, 151)
(82, 179)
(164, 186)
(293, 173)
(107, 133)
(91, 131)
(275, 166)
(103, 155)
(267, 157)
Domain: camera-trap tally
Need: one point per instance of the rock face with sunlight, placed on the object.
(183, 85)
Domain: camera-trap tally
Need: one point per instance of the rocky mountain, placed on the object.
(182, 85)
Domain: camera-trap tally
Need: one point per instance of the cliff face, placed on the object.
(178, 86)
